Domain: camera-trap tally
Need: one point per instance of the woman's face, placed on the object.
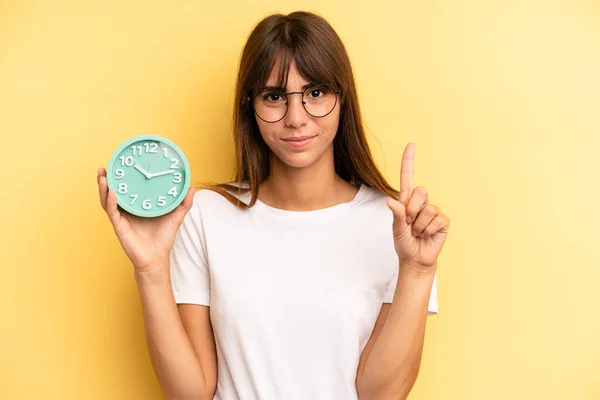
(283, 136)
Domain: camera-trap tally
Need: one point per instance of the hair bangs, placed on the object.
(276, 56)
(312, 64)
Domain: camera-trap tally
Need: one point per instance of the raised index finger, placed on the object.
(407, 169)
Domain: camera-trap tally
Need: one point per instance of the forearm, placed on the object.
(392, 366)
(174, 360)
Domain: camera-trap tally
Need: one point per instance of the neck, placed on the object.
(314, 187)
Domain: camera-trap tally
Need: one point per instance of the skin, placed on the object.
(420, 228)
(305, 179)
(180, 337)
(390, 362)
(302, 179)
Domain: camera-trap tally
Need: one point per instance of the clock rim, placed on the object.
(155, 213)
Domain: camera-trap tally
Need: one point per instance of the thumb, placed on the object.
(185, 206)
(399, 212)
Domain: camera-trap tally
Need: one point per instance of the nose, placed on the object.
(296, 114)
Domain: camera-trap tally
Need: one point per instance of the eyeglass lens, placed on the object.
(272, 105)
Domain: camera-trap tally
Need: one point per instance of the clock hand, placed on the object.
(137, 166)
(170, 171)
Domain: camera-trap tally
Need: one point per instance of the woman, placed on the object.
(309, 276)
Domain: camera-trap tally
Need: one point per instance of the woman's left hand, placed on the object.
(420, 229)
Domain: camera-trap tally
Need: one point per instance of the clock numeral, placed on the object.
(139, 150)
(175, 163)
(151, 147)
(119, 173)
(173, 191)
(122, 188)
(165, 152)
(135, 196)
(177, 177)
(128, 161)
(146, 204)
(162, 201)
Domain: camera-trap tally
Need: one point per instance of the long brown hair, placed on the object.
(320, 56)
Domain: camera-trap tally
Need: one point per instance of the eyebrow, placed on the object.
(282, 89)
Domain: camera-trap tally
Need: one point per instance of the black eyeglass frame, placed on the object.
(312, 86)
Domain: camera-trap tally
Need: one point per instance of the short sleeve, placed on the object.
(190, 276)
(390, 289)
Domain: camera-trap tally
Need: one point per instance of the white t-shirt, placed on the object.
(293, 295)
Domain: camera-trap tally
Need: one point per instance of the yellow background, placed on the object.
(502, 99)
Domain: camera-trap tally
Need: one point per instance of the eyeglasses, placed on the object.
(271, 105)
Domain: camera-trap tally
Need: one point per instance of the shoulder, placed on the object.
(371, 213)
(212, 200)
(374, 196)
(374, 202)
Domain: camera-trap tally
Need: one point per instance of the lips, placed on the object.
(299, 141)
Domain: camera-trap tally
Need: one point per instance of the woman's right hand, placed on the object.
(146, 241)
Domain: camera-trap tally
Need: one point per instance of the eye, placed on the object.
(317, 91)
(272, 97)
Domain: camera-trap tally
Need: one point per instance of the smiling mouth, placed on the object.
(299, 142)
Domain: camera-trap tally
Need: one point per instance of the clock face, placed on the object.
(149, 174)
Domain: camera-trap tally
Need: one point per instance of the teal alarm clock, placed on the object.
(149, 174)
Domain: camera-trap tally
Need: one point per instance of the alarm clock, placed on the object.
(149, 174)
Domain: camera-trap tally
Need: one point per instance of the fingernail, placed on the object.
(408, 219)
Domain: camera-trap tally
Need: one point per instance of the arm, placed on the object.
(185, 366)
(391, 359)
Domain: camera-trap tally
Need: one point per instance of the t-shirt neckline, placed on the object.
(311, 216)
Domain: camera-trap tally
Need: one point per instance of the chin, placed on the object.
(301, 160)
